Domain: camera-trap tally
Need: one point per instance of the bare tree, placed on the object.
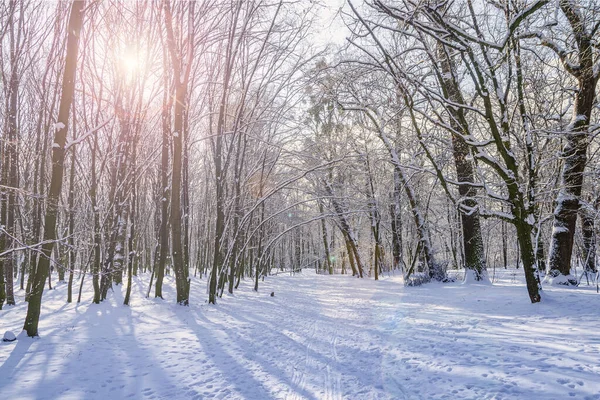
(58, 150)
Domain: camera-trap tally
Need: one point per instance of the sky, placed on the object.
(331, 27)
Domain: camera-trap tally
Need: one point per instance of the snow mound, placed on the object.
(9, 336)
(560, 279)
(471, 277)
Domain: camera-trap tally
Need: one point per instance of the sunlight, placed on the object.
(299, 199)
(130, 63)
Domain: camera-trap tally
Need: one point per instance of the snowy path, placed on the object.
(320, 337)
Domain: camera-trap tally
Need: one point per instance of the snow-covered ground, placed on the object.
(319, 337)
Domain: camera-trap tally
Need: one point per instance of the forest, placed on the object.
(198, 154)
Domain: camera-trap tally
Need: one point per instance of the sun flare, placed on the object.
(130, 63)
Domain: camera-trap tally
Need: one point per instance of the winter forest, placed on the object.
(304, 199)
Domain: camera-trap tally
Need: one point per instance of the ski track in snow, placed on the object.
(320, 337)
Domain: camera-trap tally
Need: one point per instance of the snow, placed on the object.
(83, 137)
(500, 95)
(58, 126)
(531, 219)
(560, 279)
(319, 337)
(470, 278)
(9, 336)
(559, 229)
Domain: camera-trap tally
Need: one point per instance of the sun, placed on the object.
(130, 63)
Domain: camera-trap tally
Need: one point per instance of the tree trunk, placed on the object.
(532, 280)
(396, 225)
(72, 252)
(472, 239)
(325, 244)
(237, 212)
(131, 244)
(181, 279)
(163, 232)
(181, 97)
(9, 169)
(434, 270)
(345, 228)
(217, 263)
(375, 220)
(588, 233)
(350, 254)
(574, 154)
(504, 234)
(58, 149)
(259, 250)
(96, 263)
(186, 194)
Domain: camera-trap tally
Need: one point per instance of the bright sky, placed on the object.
(332, 29)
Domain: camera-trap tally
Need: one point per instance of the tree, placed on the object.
(181, 72)
(58, 151)
(585, 68)
(480, 56)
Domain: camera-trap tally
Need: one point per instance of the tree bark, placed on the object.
(344, 225)
(96, 267)
(375, 220)
(58, 150)
(72, 252)
(588, 233)
(396, 225)
(574, 153)
(471, 228)
(163, 232)
(181, 97)
(10, 177)
(325, 243)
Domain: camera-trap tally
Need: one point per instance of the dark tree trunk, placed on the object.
(574, 153)
(528, 258)
(396, 226)
(72, 252)
(10, 177)
(589, 236)
(186, 193)
(472, 239)
(259, 250)
(181, 76)
(375, 221)
(96, 263)
(503, 232)
(181, 279)
(131, 244)
(325, 243)
(58, 149)
(115, 254)
(163, 193)
(237, 212)
(218, 259)
(350, 254)
(540, 253)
